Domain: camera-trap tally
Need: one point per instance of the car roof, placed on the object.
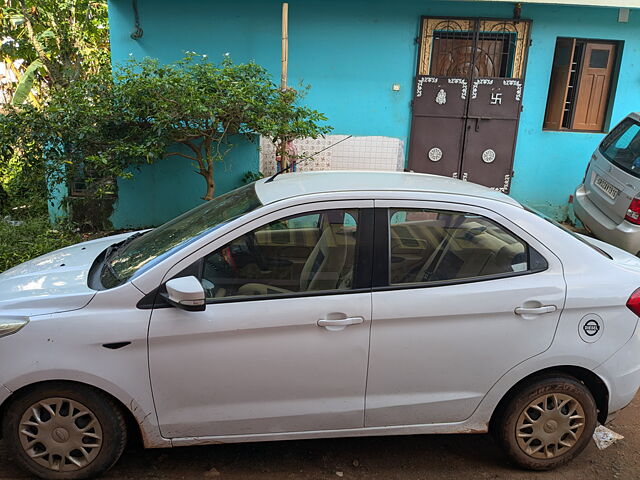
(288, 185)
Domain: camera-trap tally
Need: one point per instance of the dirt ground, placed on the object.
(420, 457)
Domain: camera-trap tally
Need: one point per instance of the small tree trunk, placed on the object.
(211, 185)
(282, 155)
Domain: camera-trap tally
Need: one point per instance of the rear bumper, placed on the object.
(622, 374)
(623, 235)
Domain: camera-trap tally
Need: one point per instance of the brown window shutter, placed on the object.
(559, 85)
(594, 86)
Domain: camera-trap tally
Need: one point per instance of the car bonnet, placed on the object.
(54, 282)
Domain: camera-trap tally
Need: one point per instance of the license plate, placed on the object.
(606, 187)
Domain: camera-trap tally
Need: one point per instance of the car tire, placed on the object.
(64, 431)
(547, 423)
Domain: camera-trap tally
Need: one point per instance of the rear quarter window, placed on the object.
(566, 230)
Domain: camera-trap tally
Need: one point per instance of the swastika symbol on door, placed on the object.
(496, 98)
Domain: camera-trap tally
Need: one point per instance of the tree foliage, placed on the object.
(64, 40)
(196, 104)
(284, 121)
(47, 45)
(191, 110)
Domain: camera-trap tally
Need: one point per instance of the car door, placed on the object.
(280, 347)
(461, 297)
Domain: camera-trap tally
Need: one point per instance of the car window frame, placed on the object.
(381, 275)
(192, 264)
(362, 271)
(613, 137)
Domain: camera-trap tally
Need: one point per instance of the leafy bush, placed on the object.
(34, 237)
(101, 126)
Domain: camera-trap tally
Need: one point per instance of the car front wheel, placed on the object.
(64, 431)
(547, 423)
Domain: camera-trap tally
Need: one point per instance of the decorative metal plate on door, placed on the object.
(435, 154)
(488, 156)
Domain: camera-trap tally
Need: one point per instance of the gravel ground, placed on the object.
(383, 458)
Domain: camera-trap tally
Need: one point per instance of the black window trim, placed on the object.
(372, 265)
(382, 249)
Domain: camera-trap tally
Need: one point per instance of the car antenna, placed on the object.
(288, 167)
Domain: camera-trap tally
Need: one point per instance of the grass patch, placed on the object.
(33, 238)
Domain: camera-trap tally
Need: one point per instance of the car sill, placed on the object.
(442, 428)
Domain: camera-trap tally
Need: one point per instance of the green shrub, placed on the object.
(34, 237)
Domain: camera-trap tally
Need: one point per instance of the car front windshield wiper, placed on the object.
(111, 270)
(112, 251)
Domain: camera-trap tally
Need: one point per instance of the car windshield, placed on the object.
(140, 253)
(570, 232)
(622, 146)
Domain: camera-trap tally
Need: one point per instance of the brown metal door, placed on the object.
(467, 99)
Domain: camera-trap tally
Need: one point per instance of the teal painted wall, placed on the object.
(170, 187)
(351, 52)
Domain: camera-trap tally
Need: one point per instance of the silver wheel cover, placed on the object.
(550, 426)
(60, 434)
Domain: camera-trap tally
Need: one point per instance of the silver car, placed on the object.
(608, 200)
(320, 305)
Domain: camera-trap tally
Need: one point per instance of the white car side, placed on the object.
(307, 307)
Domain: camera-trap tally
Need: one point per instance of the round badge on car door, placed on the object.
(590, 328)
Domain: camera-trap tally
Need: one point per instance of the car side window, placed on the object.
(311, 252)
(434, 245)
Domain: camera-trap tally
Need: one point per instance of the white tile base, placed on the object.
(356, 153)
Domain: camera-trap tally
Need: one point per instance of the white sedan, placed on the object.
(320, 305)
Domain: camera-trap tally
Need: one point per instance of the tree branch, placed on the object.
(178, 154)
(197, 152)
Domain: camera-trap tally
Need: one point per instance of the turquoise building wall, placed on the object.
(351, 52)
(170, 187)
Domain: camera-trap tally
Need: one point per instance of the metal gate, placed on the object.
(467, 98)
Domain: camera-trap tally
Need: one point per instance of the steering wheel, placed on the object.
(256, 252)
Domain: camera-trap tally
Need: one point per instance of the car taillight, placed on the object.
(633, 212)
(634, 302)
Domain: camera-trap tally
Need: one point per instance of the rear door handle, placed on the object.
(536, 310)
(339, 324)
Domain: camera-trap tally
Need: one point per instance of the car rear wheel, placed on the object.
(547, 423)
(64, 431)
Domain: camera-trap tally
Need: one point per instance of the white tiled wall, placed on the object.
(355, 153)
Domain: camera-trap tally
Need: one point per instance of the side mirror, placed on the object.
(185, 293)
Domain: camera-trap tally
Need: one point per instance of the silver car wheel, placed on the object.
(60, 434)
(550, 426)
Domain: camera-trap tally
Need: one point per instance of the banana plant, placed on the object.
(26, 83)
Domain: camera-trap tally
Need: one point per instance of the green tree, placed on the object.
(79, 132)
(101, 126)
(284, 120)
(22, 172)
(60, 41)
(195, 105)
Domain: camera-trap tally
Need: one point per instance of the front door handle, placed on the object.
(342, 322)
(536, 310)
(339, 324)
